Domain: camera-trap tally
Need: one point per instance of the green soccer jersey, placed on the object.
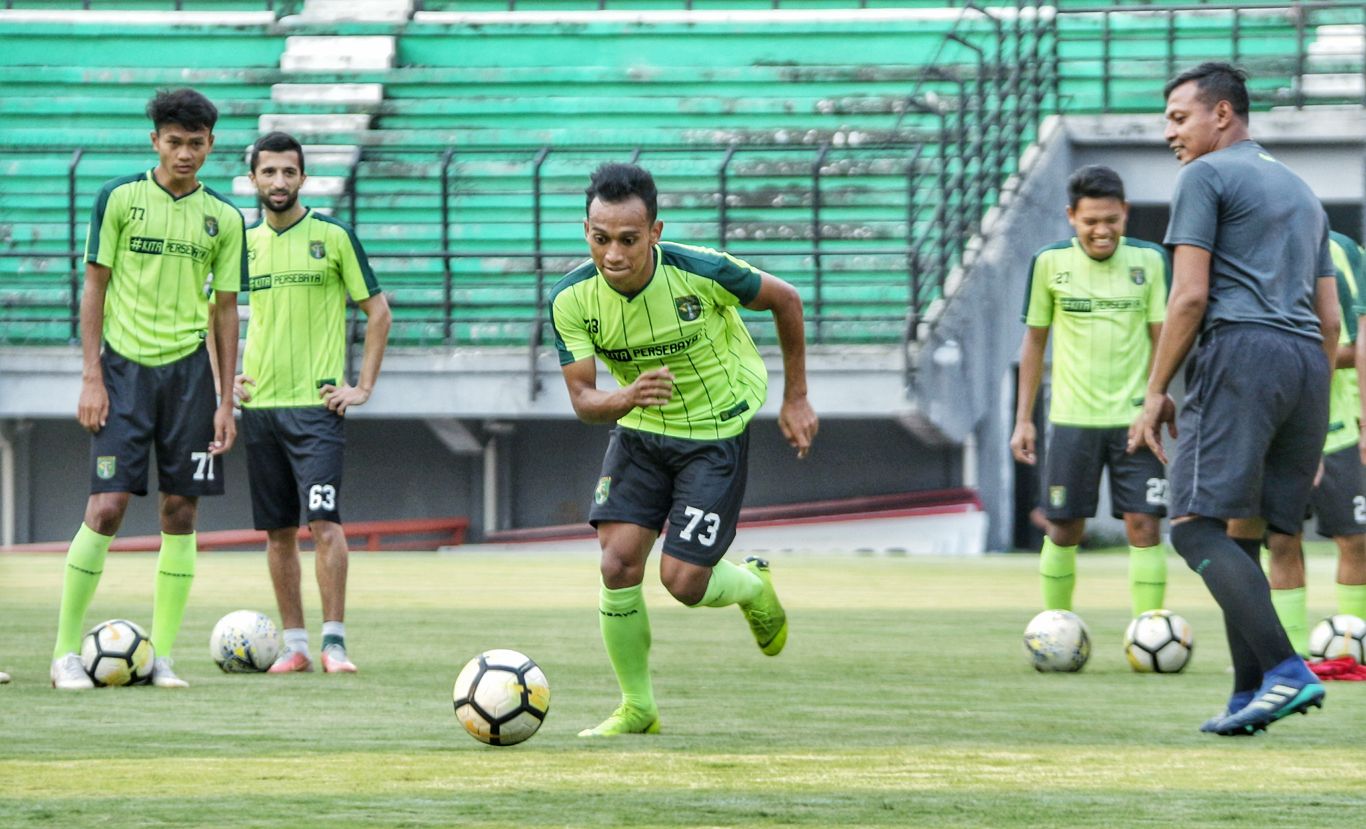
(160, 250)
(1343, 404)
(685, 318)
(296, 337)
(1099, 312)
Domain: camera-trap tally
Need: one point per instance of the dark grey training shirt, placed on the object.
(1266, 232)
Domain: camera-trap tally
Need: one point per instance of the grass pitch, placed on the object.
(903, 699)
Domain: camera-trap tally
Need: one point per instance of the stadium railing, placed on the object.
(470, 225)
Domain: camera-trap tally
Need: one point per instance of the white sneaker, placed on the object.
(4, 677)
(164, 677)
(69, 675)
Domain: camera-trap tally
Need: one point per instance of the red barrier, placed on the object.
(435, 532)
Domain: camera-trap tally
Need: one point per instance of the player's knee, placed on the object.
(686, 591)
(328, 537)
(621, 571)
(178, 514)
(104, 513)
(1066, 533)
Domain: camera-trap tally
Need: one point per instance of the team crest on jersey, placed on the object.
(211, 225)
(1137, 276)
(317, 250)
(105, 466)
(1057, 496)
(604, 488)
(689, 308)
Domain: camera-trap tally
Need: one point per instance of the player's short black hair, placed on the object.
(615, 183)
(1217, 81)
(183, 107)
(276, 142)
(1094, 181)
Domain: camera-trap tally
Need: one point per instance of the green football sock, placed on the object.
(84, 564)
(1291, 609)
(1058, 569)
(175, 574)
(626, 634)
(1352, 599)
(730, 584)
(1147, 577)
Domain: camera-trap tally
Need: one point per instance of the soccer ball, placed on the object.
(117, 652)
(1057, 640)
(501, 697)
(1340, 635)
(1158, 642)
(244, 642)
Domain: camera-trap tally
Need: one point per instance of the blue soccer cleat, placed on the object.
(1289, 688)
(1236, 703)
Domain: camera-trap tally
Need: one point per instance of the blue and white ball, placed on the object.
(244, 642)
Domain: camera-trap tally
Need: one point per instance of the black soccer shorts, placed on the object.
(169, 406)
(697, 485)
(294, 462)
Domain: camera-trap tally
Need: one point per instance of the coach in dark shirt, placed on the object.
(1254, 280)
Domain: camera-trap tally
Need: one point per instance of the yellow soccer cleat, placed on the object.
(765, 614)
(625, 720)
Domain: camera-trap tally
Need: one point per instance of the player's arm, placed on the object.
(593, 405)
(224, 321)
(1025, 437)
(1185, 310)
(796, 418)
(92, 410)
(1329, 313)
(378, 321)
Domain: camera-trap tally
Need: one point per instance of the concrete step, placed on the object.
(324, 53)
(327, 93)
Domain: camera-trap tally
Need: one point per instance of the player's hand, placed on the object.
(1318, 476)
(799, 424)
(224, 429)
(652, 388)
(1361, 446)
(1146, 430)
(240, 391)
(92, 410)
(1022, 442)
(340, 398)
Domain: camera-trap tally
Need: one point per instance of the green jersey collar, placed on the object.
(152, 176)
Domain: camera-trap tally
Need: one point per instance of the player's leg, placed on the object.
(625, 628)
(708, 490)
(118, 469)
(1351, 579)
(630, 504)
(1285, 573)
(175, 575)
(1293, 381)
(331, 565)
(1138, 490)
(186, 470)
(315, 441)
(282, 556)
(84, 565)
(275, 510)
(1226, 428)
(1071, 491)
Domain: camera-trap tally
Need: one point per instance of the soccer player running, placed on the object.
(154, 238)
(1105, 296)
(1339, 497)
(663, 317)
(1253, 280)
(293, 390)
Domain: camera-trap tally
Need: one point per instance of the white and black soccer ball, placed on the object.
(244, 642)
(1158, 642)
(501, 697)
(118, 652)
(1337, 636)
(1057, 640)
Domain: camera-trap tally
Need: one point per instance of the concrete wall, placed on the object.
(400, 469)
